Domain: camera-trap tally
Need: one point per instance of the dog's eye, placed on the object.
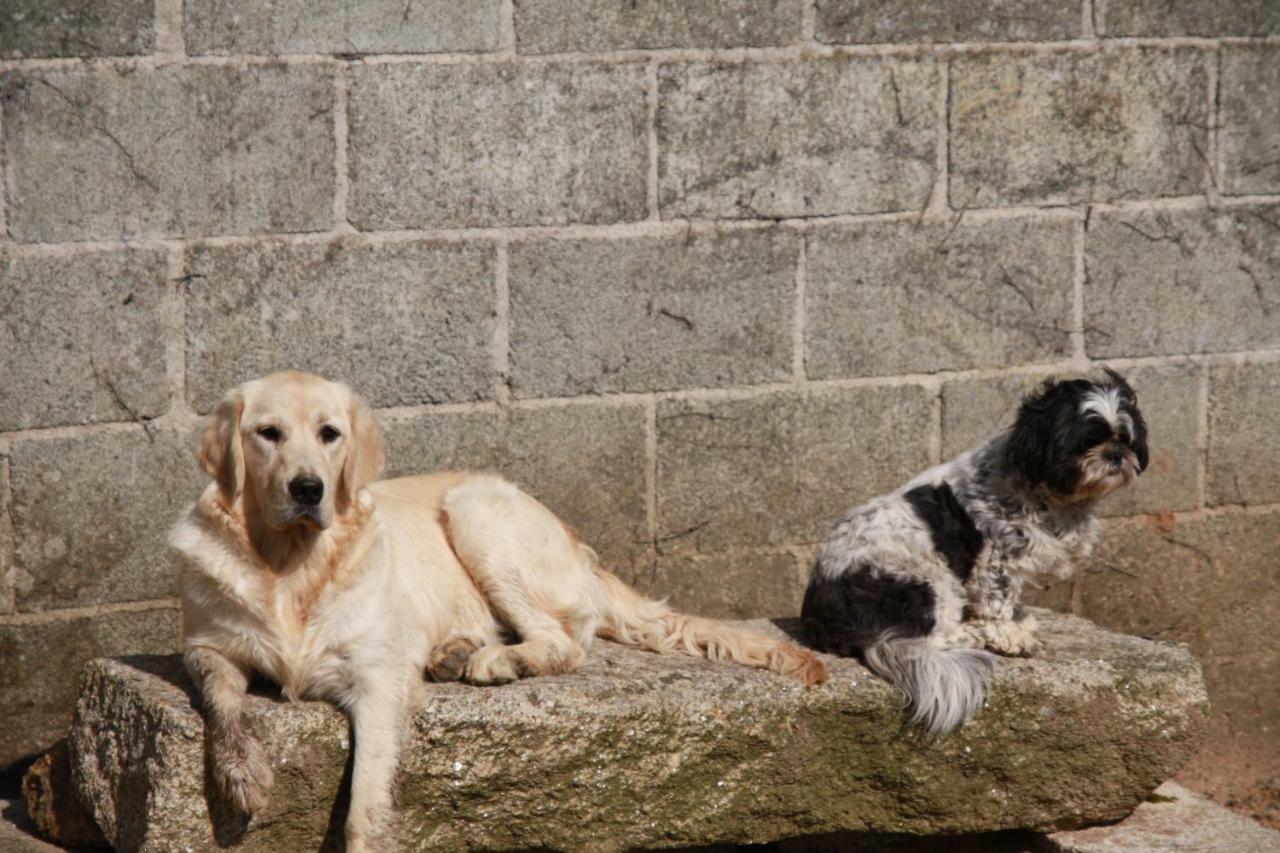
(329, 435)
(269, 433)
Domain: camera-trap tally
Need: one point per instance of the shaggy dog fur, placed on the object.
(301, 568)
(922, 582)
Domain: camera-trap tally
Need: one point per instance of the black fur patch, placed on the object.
(845, 615)
(955, 536)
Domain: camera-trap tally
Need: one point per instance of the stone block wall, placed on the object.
(701, 275)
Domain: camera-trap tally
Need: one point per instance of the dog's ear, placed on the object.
(220, 452)
(364, 452)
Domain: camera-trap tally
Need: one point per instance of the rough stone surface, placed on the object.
(1244, 406)
(897, 297)
(557, 26)
(729, 586)
(255, 309)
(340, 26)
(779, 468)
(585, 462)
(1211, 583)
(37, 28)
(1173, 819)
(91, 513)
(175, 151)
(1205, 18)
(592, 316)
(796, 139)
(53, 804)
(42, 663)
(1182, 281)
(17, 834)
(1249, 89)
(1067, 128)
(1169, 396)
(497, 144)
(639, 750)
(83, 338)
(878, 21)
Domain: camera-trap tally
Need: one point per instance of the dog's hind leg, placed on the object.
(508, 542)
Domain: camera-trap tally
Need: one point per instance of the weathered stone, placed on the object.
(192, 150)
(1172, 818)
(1205, 18)
(561, 26)
(90, 515)
(878, 21)
(1244, 445)
(1182, 281)
(777, 469)
(53, 804)
(42, 661)
(338, 26)
(796, 139)
(403, 323)
(591, 316)
(728, 586)
(586, 462)
(8, 572)
(35, 28)
(1067, 128)
(83, 339)
(497, 144)
(1191, 581)
(891, 298)
(1249, 88)
(641, 750)
(1169, 396)
(1210, 583)
(18, 834)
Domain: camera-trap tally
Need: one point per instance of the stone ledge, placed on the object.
(638, 750)
(1172, 819)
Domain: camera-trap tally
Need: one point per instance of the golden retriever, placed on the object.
(302, 568)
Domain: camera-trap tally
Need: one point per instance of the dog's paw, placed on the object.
(490, 665)
(448, 661)
(1013, 639)
(243, 773)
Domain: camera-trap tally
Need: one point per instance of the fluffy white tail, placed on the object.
(638, 621)
(945, 687)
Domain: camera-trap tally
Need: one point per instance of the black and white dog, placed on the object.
(922, 582)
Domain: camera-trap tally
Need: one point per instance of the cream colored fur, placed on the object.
(352, 600)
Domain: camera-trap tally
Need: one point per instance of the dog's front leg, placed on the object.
(238, 762)
(379, 717)
(992, 614)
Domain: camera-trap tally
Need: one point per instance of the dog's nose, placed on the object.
(1114, 455)
(306, 490)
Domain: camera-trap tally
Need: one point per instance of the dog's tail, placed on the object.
(944, 687)
(635, 620)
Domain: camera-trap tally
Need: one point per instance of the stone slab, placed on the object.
(1172, 820)
(560, 26)
(641, 314)
(341, 26)
(884, 21)
(497, 144)
(175, 151)
(1069, 128)
(796, 139)
(640, 750)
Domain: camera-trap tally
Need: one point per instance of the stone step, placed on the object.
(642, 750)
(1173, 820)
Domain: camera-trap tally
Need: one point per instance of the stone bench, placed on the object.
(641, 750)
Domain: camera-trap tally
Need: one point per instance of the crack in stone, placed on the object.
(1257, 288)
(96, 124)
